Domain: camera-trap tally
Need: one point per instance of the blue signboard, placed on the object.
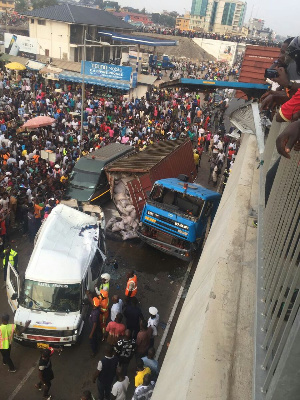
(134, 80)
(109, 71)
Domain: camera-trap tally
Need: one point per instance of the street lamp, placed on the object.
(82, 88)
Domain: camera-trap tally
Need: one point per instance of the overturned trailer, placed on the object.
(131, 179)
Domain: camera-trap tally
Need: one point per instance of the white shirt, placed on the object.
(153, 322)
(116, 308)
(119, 389)
(4, 204)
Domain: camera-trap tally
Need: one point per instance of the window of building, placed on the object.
(228, 13)
(32, 21)
(199, 7)
(41, 22)
(47, 52)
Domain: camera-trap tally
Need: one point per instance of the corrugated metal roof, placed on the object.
(256, 60)
(74, 14)
(146, 79)
(144, 40)
(147, 159)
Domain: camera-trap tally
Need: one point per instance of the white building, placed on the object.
(60, 32)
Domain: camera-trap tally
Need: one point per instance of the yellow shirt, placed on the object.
(139, 378)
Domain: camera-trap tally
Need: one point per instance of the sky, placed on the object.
(279, 16)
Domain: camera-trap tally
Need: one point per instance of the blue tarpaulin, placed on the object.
(145, 40)
(93, 80)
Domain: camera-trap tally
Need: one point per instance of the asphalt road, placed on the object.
(159, 280)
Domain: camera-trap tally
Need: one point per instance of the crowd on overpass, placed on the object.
(210, 35)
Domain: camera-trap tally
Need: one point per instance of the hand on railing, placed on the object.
(288, 139)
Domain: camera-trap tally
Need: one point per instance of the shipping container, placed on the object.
(166, 159)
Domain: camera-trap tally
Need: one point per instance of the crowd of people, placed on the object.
(32, 183)
(212, 70)
(209, 35)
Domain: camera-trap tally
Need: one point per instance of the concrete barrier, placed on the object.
(210, 354)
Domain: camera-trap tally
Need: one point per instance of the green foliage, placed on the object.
(43, 3)
(21, 5)
(165, 20)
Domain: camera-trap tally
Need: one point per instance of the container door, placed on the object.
(137, 189)
(12, 286)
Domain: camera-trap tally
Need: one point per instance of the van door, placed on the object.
(12, 286)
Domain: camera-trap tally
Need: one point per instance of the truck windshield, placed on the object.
(190, 206)
(51, 296)
(83, 179)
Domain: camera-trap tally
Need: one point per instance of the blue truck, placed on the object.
(177, 215)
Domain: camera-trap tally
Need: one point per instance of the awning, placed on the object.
(145, 40)
(93, 80)
(146, 79)
(34, 65)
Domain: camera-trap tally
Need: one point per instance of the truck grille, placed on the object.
(47, 332)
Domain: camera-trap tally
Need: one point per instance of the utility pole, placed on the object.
(83, 88)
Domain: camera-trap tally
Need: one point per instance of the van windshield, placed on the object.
(51, 296)
(83, 179)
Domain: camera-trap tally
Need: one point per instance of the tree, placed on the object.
(43, 3)
(21, 5)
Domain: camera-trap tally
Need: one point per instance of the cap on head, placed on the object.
(153, 310)
(106, 277)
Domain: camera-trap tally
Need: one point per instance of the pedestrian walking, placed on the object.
(131, 286)
(145, 390)
(153, 322)
(106, 372)
(143, 340)
(6, 338)
(150, 362)
(46, 374)
(9, 256)
(115, 330)
(141, 371)
(94, 321)
(104, 311)
(116, 308)
(105, 278)
(133, 315)
(119, 389)
(125, 349)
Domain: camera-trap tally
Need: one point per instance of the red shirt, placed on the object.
(115, 330)
(288, 109)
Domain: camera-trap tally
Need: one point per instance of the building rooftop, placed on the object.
(74, 14)
(256, 60)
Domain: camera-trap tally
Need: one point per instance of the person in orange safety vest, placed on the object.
(131, 286)
(104, 311)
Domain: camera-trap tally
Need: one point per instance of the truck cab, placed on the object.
(66, 261)
(176, 215)
(88, 182)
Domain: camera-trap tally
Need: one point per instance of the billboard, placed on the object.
(18, 45)
(220, 49)
(109, 71)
